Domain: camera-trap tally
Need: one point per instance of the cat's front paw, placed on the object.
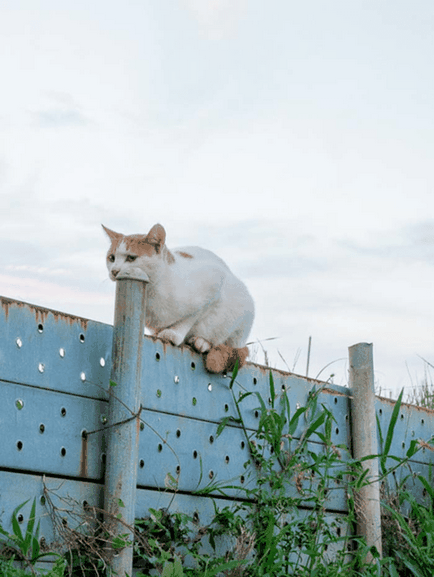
(170, 336)
(200, 344)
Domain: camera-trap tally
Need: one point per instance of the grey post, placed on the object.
(124, 412)
(364, 434)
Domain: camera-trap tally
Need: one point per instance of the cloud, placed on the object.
(61, 111)
(411, 243)
(217, 17)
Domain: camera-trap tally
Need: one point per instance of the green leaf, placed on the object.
(30, 526)
(173, 569)
(120, 503)
(16, 526)
(393, 419)
(112, 383)
(272, 390)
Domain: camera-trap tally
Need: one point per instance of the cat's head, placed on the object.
(142, 251)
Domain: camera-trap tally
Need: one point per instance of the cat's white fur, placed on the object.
(192, 295)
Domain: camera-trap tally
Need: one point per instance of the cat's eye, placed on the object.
(111, 257)
(131, 258)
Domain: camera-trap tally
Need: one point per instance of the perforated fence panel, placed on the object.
(54, 379)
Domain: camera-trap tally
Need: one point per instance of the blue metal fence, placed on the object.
(54, 381)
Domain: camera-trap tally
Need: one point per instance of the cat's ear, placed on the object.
(156, 236)
(111, 233)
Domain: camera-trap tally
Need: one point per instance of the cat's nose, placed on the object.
(115, 272)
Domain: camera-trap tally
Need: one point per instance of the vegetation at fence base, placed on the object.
(279, 525)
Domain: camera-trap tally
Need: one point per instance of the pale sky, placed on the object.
(294, 139)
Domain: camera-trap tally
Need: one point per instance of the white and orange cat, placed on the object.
(192, 296)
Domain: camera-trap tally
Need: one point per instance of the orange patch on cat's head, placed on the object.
(138, 244)
(149, 244)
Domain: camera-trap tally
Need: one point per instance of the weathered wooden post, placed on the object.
(364, 433)
(124, 413)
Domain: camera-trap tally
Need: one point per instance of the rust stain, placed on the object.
(42, 313)
(83, 456)
(409, 405)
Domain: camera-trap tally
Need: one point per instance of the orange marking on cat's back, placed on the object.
(185, 254)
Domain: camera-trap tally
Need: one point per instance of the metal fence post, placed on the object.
(124, 413)
(364, 435)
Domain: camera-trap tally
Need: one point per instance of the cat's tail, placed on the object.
(223, 357)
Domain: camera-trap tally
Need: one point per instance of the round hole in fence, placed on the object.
(193, 366)
(211, 439)
(81, 337)
(19, 403)
(42, 499)
(41, 367)
(64, 521)
(224, 374)
(102, 362)
(104, 419)
(83, 376)
(19, 445)
(380, 412)
(256, 414)
(62, 452)
(242, 479)
(194, 454)
(160, 447)
(337, 430)
(242, 444)
(84, 434)
(283, 387)
(159, 393)
(347, 418)
(422, 421)
(209, 387)
(142, 425)
(269, 400)
(62, 353)
(255, 381)
(63, 412)
(194, 401)
(40, 328)
(403, 445)
(19, 342)
(157, 356)
(195, 517)
(20, 518)
(401, 417)
(176, 379)
(335, 400)
(178, 469)
(226, 408)
(178, 433)
(141, 463)
(227, 459)
(41, 428)
(211, 474)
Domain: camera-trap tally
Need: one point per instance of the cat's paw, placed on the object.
(200, 344)
(170, 336)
